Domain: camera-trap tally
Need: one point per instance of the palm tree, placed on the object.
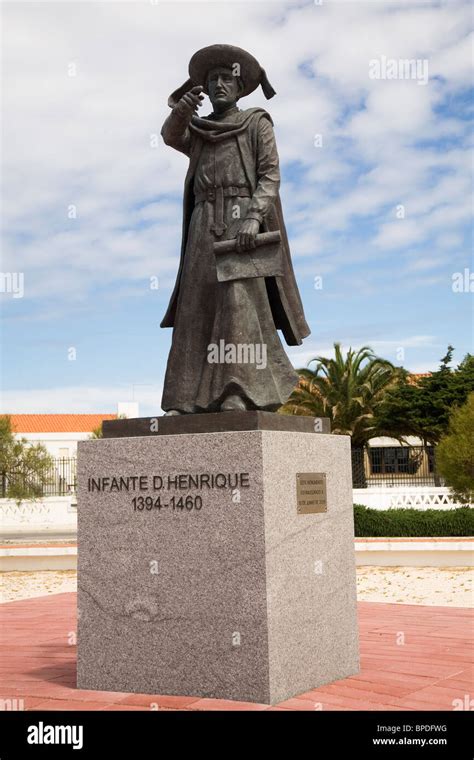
(348, 390)
(97, 432)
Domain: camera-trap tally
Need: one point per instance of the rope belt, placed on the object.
(216, 196)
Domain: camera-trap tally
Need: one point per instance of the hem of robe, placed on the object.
(231, 388)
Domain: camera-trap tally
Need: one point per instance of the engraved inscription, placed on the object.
(170, 485)
(311, 494)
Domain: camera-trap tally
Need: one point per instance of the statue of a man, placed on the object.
(231, 193)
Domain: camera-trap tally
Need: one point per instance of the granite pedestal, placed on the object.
(229, 593)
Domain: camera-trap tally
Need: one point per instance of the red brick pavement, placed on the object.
(412, 658)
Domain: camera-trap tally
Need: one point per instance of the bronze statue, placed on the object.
(235, 285)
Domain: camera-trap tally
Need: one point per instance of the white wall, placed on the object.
(52, 513)
(417, 497)
(59, 445)
(128, 409)
(409, 440)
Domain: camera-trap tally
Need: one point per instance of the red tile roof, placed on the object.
(57, 423)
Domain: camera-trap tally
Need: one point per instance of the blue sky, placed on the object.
(380, 210)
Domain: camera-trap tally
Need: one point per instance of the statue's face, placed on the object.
(223, 88)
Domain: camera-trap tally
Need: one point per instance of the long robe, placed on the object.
(235, 151)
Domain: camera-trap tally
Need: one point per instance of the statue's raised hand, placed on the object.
(191, 101)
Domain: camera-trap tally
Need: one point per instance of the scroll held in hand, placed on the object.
(265, 260)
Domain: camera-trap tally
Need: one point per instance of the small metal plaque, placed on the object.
(311, 492)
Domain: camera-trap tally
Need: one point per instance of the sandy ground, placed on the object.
(443, 586)
(25, 585)
(451, 587)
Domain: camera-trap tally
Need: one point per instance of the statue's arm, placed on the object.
(268, 173)
(175, 131)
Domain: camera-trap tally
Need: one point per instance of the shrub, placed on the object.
(413, 522)
(455, 452)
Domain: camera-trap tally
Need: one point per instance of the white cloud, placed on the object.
(85, 139)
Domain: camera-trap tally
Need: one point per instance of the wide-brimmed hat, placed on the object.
(250, 72)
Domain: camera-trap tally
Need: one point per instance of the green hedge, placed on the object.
(413, 522)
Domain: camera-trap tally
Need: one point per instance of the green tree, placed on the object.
(347, 389)
(24, 468)
(423, 408)
(455, 452)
